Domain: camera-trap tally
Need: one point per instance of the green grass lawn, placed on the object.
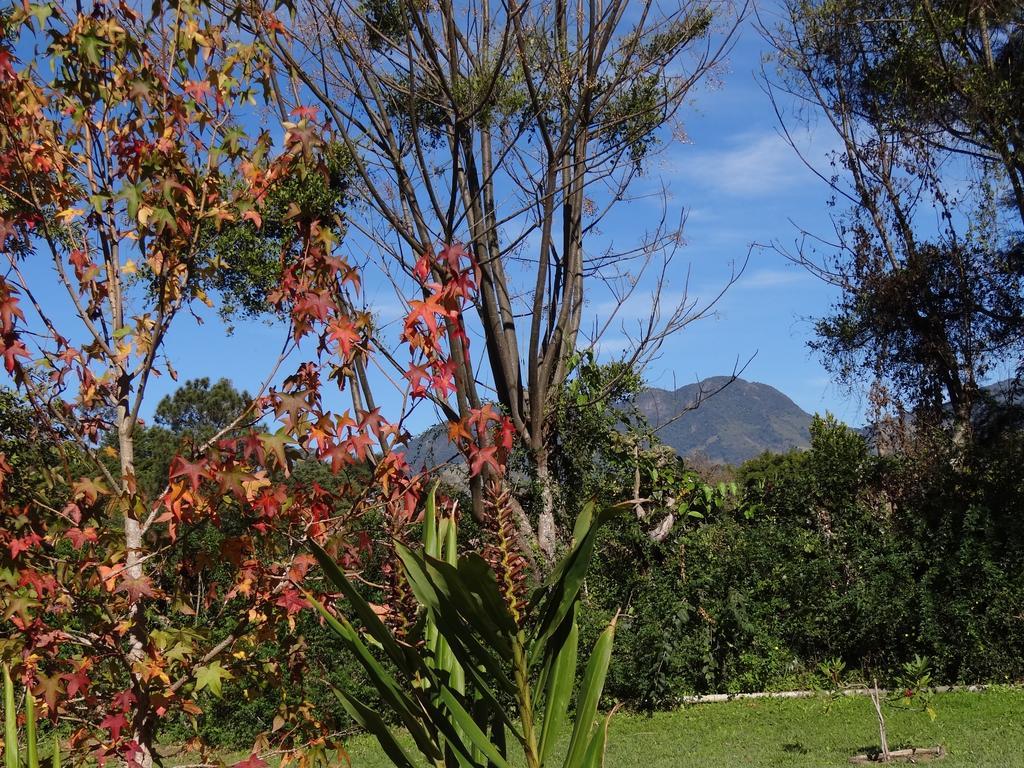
(977, 729)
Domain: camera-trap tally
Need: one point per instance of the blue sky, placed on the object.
(740, 184)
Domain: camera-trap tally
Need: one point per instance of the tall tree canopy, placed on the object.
(925, 98)
(516, 129)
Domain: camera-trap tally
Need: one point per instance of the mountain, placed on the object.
(738, 423)
(741, 421)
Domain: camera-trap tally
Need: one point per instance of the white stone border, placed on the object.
(713, 698)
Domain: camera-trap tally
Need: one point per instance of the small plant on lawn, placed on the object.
(833, 678)
(911, 691)
(479, 663)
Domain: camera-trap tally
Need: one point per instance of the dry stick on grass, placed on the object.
(877, 701)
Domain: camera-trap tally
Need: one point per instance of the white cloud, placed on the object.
(772, 278)
(750, 165)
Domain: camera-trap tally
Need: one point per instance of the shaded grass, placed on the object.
(977, 729)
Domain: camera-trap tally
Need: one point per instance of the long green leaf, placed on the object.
(431, 544)
(478, 576)
(595, 752)
(590, 696)
(55, 755)
(561, 678)
(371, 721)
(432, 548)
(489, 618)
(564, 586)
(367, 617)
(10, 722)
(449, 540)
(31, 745)
(584, 521)
(431, 580)
(390, 691)
(470, 652)
(465, 722)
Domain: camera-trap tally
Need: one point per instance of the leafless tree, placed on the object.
(516, 129)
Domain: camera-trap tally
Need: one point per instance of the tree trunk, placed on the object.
(138, 637)
(546, 530)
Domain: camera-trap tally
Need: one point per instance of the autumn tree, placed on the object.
(924, 98)
(127, 150)
(516, 129)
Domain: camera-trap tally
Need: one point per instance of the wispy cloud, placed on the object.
(749, 165)
(772, 278)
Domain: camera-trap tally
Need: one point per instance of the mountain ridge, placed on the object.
(741, 420)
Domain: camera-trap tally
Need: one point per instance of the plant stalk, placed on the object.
(522, 674)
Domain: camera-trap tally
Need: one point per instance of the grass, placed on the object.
(977, 729)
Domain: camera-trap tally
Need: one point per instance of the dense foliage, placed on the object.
(830, 553)
(157, 579)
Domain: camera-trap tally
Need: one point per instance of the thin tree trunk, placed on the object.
(138, 638)
(546, 531)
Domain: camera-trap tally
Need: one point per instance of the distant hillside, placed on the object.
(742, 421)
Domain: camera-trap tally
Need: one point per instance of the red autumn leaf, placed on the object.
(78, 680)
(345, 334)
(417, 374)
(443, 380)
(198, 90)
(79, 537)
(252, 447)
(507, 434)
(9, 310)
(305, 113)
(80, 261)
(268, 503)
(339, 456)
(124, 699)
(136, 588)
(194, 471)
(133, 754)
(423, 311)
(253, 761)
(292, 601)
(358, 444)
(254, 217)
(5, 468)
(24, 544)
(12, 348)
(114, 723)
(315, 304)
(422, 268)
(482, 457)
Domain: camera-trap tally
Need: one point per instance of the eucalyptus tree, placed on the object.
(515, 129)
(924, 97)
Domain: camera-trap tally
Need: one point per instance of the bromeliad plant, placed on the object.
(481, 664)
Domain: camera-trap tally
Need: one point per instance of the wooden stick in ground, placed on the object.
(876, 700)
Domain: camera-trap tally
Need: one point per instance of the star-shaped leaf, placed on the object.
(211, 676)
